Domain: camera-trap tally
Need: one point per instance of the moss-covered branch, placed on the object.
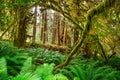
(90, 14)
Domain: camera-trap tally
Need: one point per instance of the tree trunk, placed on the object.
(54, 33)
(20, 38)
(34, 27)
(58, 28)
(41, 39)
(44, 24)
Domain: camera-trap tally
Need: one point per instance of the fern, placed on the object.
(66, 72)
(27, 76)
(115, 62)
(80, 71)
(90, 71)
(76, 78)
(15, 63)
(13, 56)
(40, 55)
(3, 69)
(74, 70)
(27, 66)
(59, 77)
(56, 77)
(44, 70)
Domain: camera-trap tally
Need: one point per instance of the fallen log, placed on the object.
(50, 47)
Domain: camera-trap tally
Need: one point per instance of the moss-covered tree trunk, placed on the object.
(90, 14)
(20, 36)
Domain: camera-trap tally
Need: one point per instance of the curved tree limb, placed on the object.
(90, 14)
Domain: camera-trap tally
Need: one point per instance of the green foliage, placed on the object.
(115, 62)
(19, 64)
(26, 72)
(13, 56)
(42, 72)
(40, 55)
(6, 49)
(3, 69)
(90, 71)
(17, 3)
(27, 76)
(56, 77)
(28, 63)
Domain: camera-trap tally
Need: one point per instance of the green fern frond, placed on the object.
(89, 72)
(112, 75)
(101, 69)
(67, 73)
(74, 70)
(56, 77)
(27, 76)
(76, 78)
(27, 66)
(60, 77)
(44, 70)
(81, 72)
(105, 72)
(3, 69)
(99, 76)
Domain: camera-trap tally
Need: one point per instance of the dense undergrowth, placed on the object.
(38, 64)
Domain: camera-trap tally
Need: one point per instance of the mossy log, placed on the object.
(61, 49)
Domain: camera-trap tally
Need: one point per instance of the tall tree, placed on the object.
(34, 27)
(20, 37)
(44, 24)
(56, 29)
